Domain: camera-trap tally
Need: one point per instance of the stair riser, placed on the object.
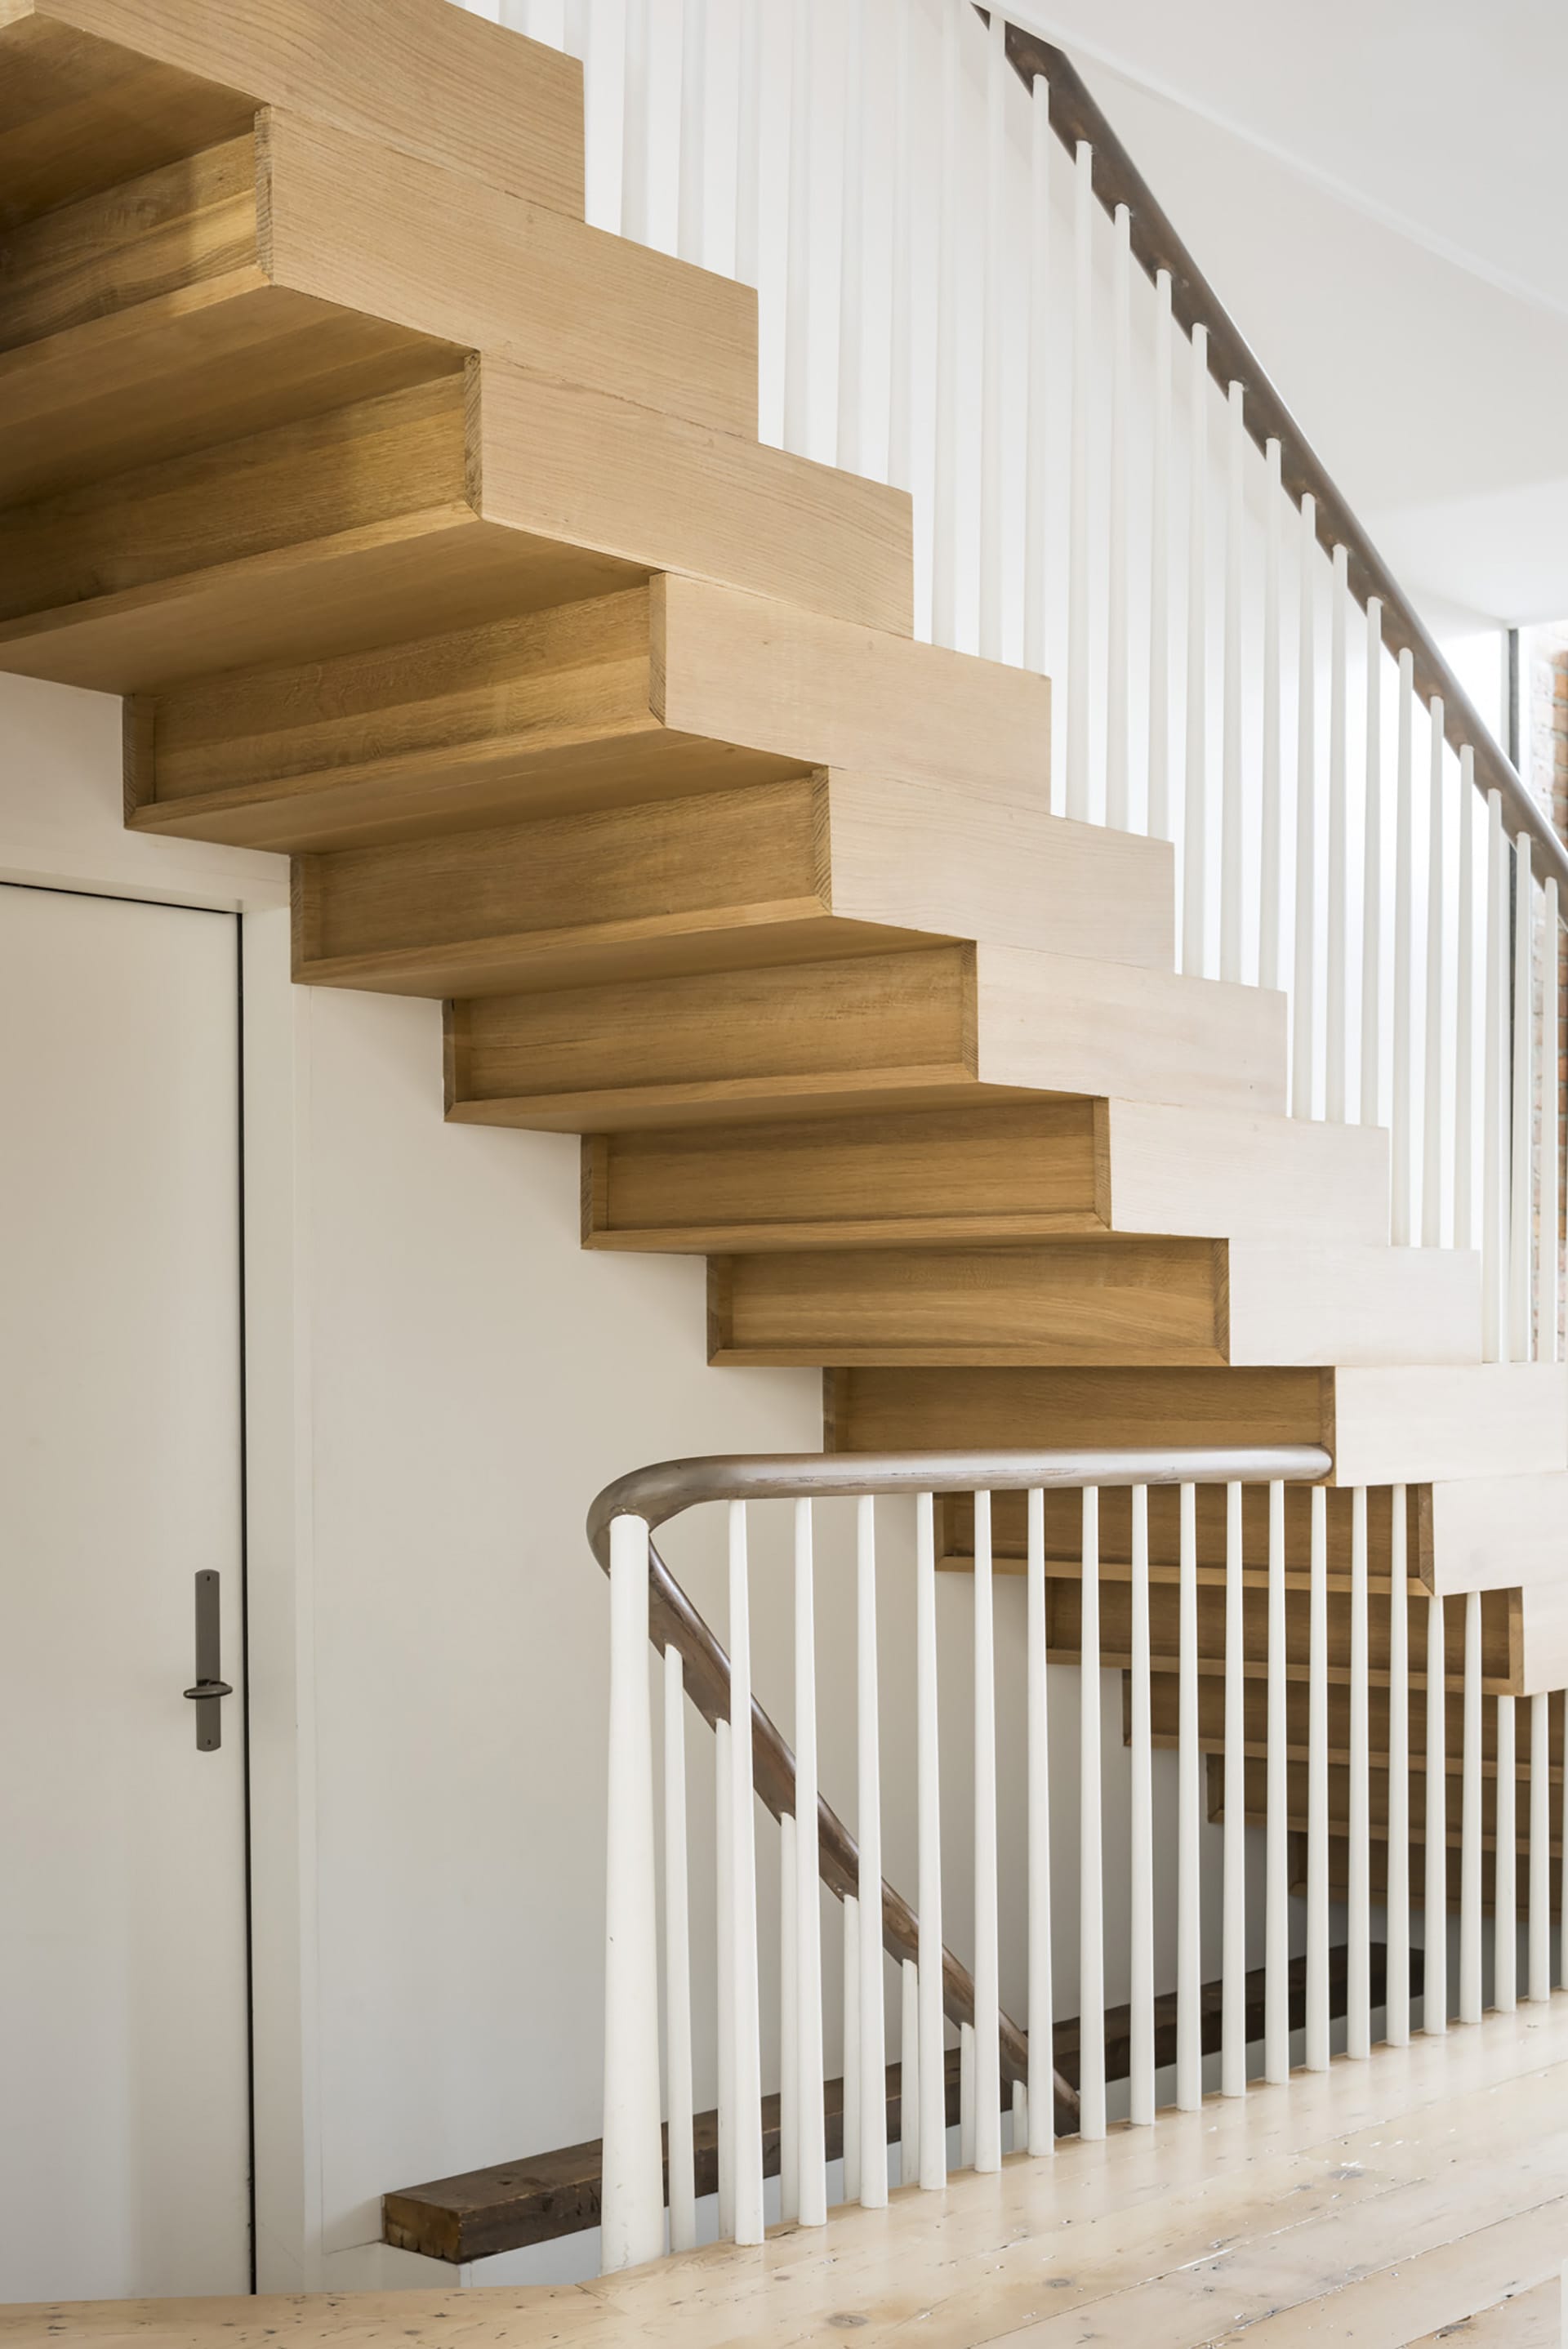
(1164, 1717)
(1297, 1796)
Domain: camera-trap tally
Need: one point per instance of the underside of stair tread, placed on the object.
(1097, 1301)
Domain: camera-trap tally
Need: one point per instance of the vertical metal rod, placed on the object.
(1318, 1793)
(1397, 1904)
(1233, 1954)
(1372, 876)
(812, 2128)
(1359, 1906)
(1276, 1974)
(1091, 1893)
(1190, 1822)
(1141, 1952)
(1303, 1012)
(1078, 801)
(1336, 1023)
(1195, 825)
(1041, 2009)
(988, 1955)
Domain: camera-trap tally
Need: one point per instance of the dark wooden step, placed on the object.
(515, 2204)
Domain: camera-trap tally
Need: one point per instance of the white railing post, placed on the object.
(1190, 1822)
(994, 293)
(1521, 1298)
(1396, 1983)
(1078, 798)
(1140, 1953)
(909, 2090)
(849, 2132)
(1233, 1958)
(1037, 463)
(1372, 876)
(987, 1957)
(1549, 1254)
(1404, 955)
(1318, 1793)
(810, 2126)
(1276, 1976)
(632, 2189)
(1540, 1974)
(677, 1965)
(1271, 908)
(724, 2016)
(928, 1796)
(851, 252)
(1091, 1893)
(1470, 1822)
(1464, 1018)
(874, 2022)
(1117, 780)
(1435, 1916)
(744, 1994)
(1433, 1087)
(1196, 820)
(1232, 803)
(789, 2026)
(1302, 1009)
(1042, 2102)
(1505, 1877)
(1159, 497)
(1337, 1019)
(1495, 1249)
(1359, 1906)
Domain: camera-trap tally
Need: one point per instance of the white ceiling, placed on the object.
(1380, 195)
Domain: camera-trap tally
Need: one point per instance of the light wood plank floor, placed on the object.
(1420, 2196)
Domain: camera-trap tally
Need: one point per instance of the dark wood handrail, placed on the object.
(1075, 116)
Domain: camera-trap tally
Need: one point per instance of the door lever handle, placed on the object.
(209, 1690)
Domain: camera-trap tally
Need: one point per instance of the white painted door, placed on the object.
(124, 2095)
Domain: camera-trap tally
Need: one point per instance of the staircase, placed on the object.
(426, 533)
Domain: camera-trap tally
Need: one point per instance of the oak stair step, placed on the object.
(813, 866)
(1123, 1300)
(918, 1029)
(93, 92)
(1063, 1515)
(1041, 1171)
(1256, 1803)
(1164, 1714)
(604, 701)
(1415, 1424)
(1338, 1878)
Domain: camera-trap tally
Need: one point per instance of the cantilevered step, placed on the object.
(1051, 1169)
(97, 91)
(1097, 1301)
(813, 866)
(1297, 1802)
(1497, 1660)
(925, 1029)
(1397, 1426)
(667, 690)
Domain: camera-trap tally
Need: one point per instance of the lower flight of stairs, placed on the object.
(427, 531)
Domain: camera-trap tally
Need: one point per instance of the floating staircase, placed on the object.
(427, 531)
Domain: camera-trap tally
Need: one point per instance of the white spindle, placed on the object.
(1160, 491)
(1140, 1949)
(1091, 1893)
(1303, 1018)
(967, 2096)
(813, 2185)
(1190, 1822)
(692, 216)
(909, 2074)
(1435, 1919)
(1464, 1015)
(1233, 1957)
(1521, 1298)
(1195, 821)
(748, 2225)
(1494, 1246)
(1117, 780)
(850, 2132)
(1549, 1255)
(1232, 842)
(798, 274)
(1372, 875)
(1318, 1792)
(1403, 1217)
(1037, 515)
(997, 292)
(724, 2015)
(677, 1965)
(1539, 1975)
(1271, 959)
(899, 470)
(1505, 1880)
(987, 1954)
(1434, 1086)
(748, 142)
(1359, 1905)
(874, 2024)
(634, 123)
(1337, 1021)
(789, 2026)
(1471, 1823)
(928, 1794)
(1042, 2115)
(634, 2186)
(851, 259)
(1276, 1971)
(1078, 634)
(944, 487)
(1398, 1903)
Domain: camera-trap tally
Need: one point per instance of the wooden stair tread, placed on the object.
(1132, 1300)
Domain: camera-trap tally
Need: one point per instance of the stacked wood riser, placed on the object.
(427, 531)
